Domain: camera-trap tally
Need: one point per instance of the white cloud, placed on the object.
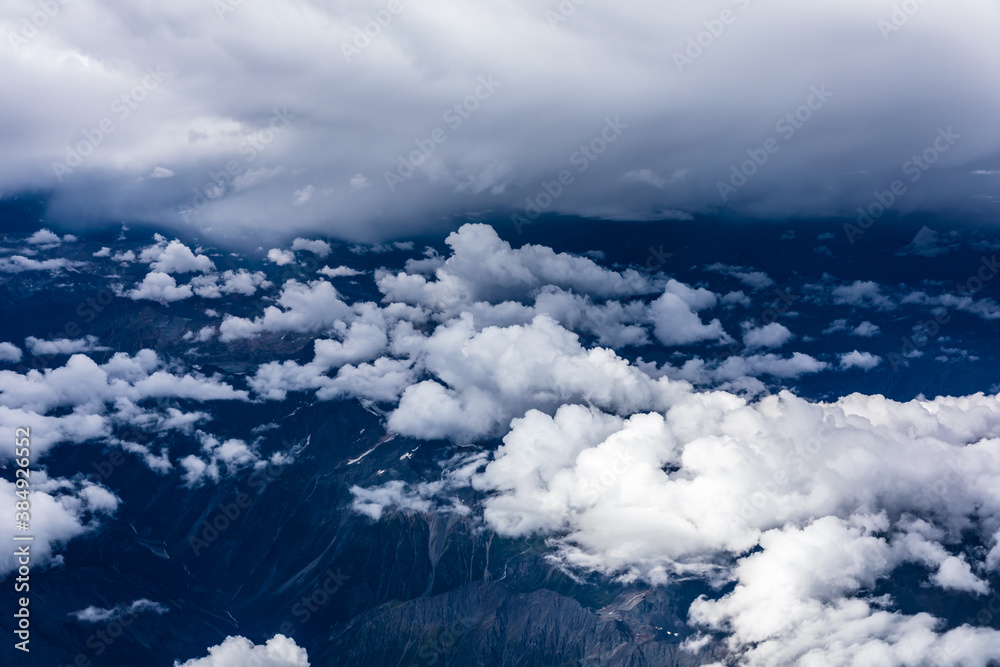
(44, 237)
(804, 506)
(339, 272)
(771, 335)
(318, 247)
(482, 267)
(103, 252)
(863, 360)
(358, 182)
(61, 510)
(241, 281)
(866, 330)
(755, 280)
(64, 345)
(862, 294)
(281, 257)
(303, 195)
(302, 307)
(19, 264)
(646, 176)
(160, 172)
(675, 318)
(10, 353)
(502, 372)
(279, 651)
(94, 614)
(162, 287)
(174, 257)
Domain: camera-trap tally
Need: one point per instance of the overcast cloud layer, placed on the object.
(127, 111)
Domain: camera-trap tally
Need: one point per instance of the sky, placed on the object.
(235, 117)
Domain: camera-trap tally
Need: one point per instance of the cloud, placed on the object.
(302, 307)
(771, 335)
(279, 651)
(866, 330)
(10, 353)
(158, 286)
(281, 257)
(863, 360)
(646, 176)
(358, 182)
(241, 281)
(676, 321)
(318, 247)
(483, 267)
(339, 272)
(927, 243)
(756, 280)
(505, 371)
(100, 615)
(303, 195)
(174, 257)
(862, 294)
(160, 172)
(668, 126)
(40, 347)
(805, 507)
(19, 264)
(45, 238)
(61, 510)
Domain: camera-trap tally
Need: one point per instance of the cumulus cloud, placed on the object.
(505, 371)
(339, 272)
(318, 247)
(44, 238)
(174, 257)
(755, 280)
(862, 294)
(61, 510)
(20, 264)
(217, 285)
(804, 506)
(162, 287)
(279, 651)
(64, 345)
(770, 335)
(675, 318)
(302, 307)
(10, 353)
(281, 257)
(863, 360)
(94, 614)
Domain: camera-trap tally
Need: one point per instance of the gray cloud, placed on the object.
(252, 108)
